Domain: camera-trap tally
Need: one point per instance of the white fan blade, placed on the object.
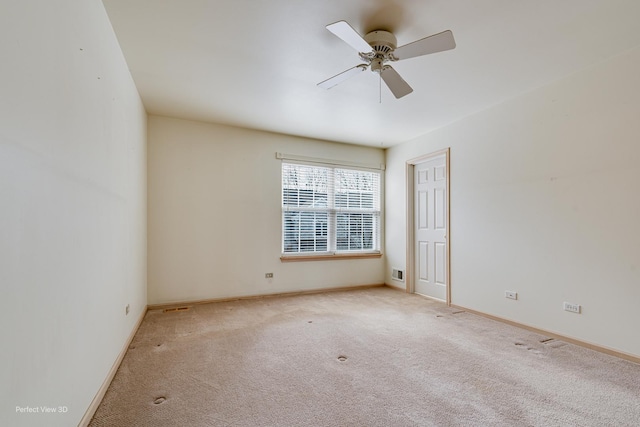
(432, 44)
(339, 78)
(396, 84)
(350, 36)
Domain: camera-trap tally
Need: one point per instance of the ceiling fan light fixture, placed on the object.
(376, 65)
(378, 47)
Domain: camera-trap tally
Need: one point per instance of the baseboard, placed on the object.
(591, 346)
(258, 296)
(395, 288)
(93, 407)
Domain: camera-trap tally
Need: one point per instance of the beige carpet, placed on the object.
(373, 357)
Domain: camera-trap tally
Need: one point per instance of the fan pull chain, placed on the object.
(380, 87)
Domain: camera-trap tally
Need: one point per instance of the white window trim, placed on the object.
(319, 256)
(292, 158)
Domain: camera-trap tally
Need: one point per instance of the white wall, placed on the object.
(215, 214)
(545, 201)
(72, 207)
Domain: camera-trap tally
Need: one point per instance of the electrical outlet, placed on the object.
(510, 294)
(573, 308)
(268, 276)
(126, 310)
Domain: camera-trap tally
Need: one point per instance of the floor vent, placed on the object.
(397, 274)
(175, 309)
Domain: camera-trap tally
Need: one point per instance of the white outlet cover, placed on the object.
(571, 307)
(511, 295)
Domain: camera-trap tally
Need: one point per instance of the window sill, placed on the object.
(328, 257)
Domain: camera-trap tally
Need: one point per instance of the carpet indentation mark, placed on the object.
(175, 309)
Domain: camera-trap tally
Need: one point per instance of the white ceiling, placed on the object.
(256, 63)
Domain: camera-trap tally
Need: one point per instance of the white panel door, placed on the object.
(430, 205)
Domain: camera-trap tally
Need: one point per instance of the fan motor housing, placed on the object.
(382, 42)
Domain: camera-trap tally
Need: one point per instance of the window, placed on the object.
(329, 210)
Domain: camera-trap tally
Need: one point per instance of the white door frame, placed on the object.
(410, 273)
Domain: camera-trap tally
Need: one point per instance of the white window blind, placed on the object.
(329, 209)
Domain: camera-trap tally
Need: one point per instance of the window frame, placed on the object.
(333, 212)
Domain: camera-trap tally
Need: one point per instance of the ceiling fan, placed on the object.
(379, 47)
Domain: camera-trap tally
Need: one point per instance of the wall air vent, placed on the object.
(397, 274)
